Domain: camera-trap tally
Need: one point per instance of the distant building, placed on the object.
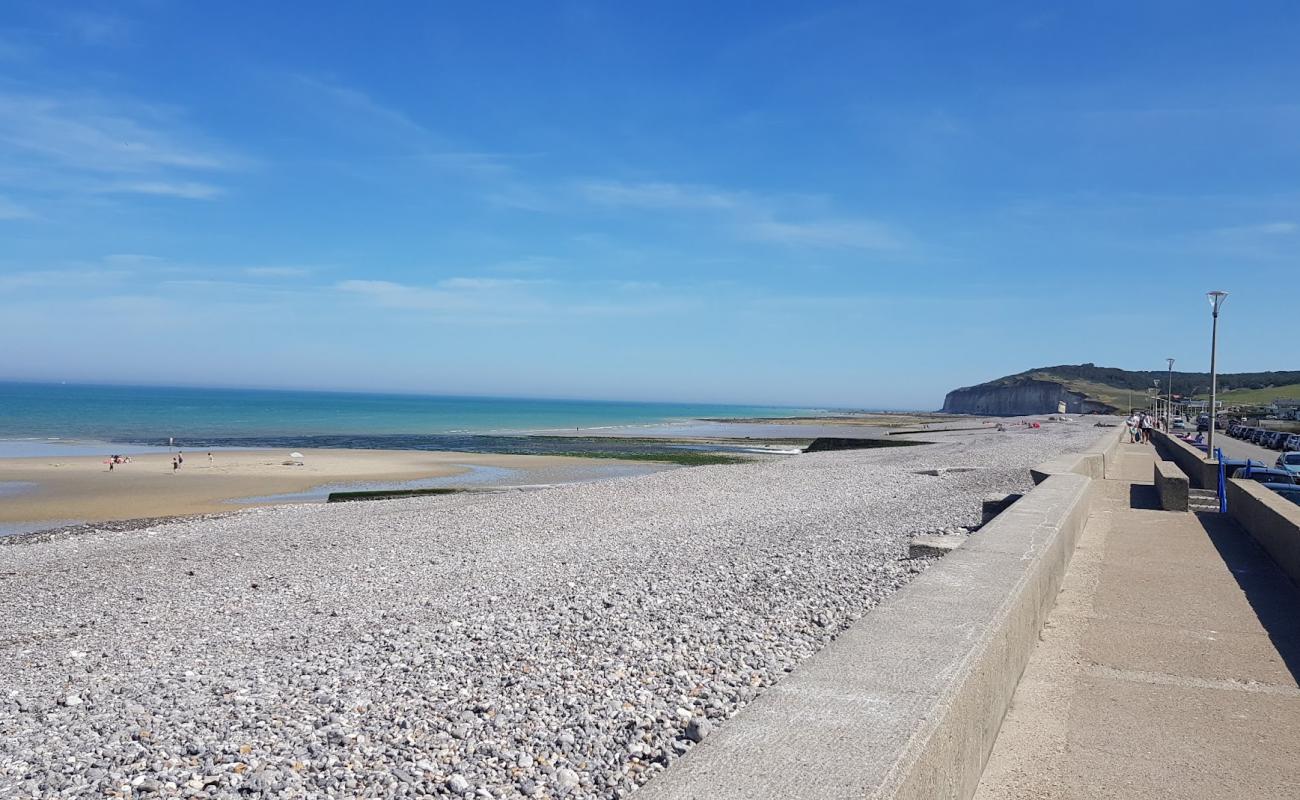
(1286, 408)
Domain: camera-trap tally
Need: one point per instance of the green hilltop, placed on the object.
(1112, 385)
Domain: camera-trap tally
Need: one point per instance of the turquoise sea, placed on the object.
(150, 415)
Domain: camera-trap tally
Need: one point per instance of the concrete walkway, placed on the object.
(1167, 669)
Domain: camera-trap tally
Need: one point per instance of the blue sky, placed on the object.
(845, 204)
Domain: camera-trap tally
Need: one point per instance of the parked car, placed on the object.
(1266, 475)
(1232, 465)
(1258, 436)
(1243, 431)
(1179, 425)
(1277, 440)
(1289, 491)
(1289, 462)
(1292, 442)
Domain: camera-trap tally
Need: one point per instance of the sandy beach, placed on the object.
(83, 489)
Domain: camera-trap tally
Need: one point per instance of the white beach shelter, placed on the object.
(296, 457)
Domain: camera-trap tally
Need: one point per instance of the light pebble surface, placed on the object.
(571, 641)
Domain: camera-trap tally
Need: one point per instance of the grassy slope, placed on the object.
(1260, 397)
(1119, 396)
(1115, 396)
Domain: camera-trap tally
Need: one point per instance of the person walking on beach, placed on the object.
(209, 458)
(180, 457)
(175, 465)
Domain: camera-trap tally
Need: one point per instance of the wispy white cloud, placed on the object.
(482, 164)
(836, 234)
(60, 278)
(750, 216)
(9, 210)
(134, 260)
(660, 196)
(490, 300)
(360, 115)
(388, 294)
(362, 112)
(1281, 228)
(100, 135)
(525, 197)
(486, 283)
(63, 146)
(277, 272)
(189, 190)
(141, 272)
(451, 296)
(99, 28)
(1268, 241)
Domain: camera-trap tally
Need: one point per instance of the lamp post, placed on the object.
(1216, 299)
(1169, 389)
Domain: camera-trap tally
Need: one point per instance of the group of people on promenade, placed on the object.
(1140, 424)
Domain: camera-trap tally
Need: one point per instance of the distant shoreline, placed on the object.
(70, 493)
(73, 491)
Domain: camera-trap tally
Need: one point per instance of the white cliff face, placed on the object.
(1024, 397)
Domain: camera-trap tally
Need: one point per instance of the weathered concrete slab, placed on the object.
(933, 545)
(907, 702)
(1172, 486)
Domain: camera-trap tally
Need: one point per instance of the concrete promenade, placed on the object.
(1167, 668)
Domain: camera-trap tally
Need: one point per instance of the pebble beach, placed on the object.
(572, 641)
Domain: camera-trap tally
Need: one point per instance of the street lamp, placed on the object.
(1169, 407)
(1155, 400)
(1216, 299)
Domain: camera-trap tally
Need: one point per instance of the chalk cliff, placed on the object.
(1021, 396)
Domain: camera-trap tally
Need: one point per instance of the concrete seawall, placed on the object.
(1201, 473)
(908, 702)
(1097, 461)
(1271, 520)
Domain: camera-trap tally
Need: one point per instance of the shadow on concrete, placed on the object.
(1270, 592)
(1144, 497)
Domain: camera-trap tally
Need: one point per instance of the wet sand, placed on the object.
(82, 489)
(866, 419)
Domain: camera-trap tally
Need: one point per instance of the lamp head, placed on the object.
(1171, 362)
(1216, 299)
